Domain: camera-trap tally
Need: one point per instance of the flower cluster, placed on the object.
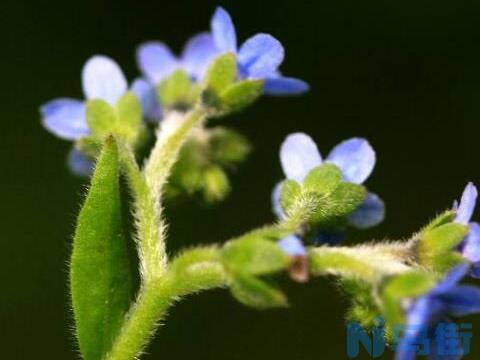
(258, 58)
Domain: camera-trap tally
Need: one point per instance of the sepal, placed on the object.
(257, 293)
(178, 91)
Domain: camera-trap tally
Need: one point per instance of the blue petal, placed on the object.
(475, 273)
(299, 154)
(223, 31)
(147, 95)
(65, 118)
(451, 279)
(467, 204)
(79, 164)
(285, 86)
(276, 205)
(355, 157)
(197, 55)
(293, 246)
(462, 300)
(418, 319)
(156, 61)
(471, 244)
(260, 56)
(370, 213)
(103, 79)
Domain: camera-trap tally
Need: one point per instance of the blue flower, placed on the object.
(445, 300)
(354, 157)
(103, 79)
(470, 247)
(156, 61)
(258, 58)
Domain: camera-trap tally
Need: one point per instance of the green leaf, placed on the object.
(290, 193)
(437, 246)
(254, 256)
(99, 270)
(221, 73)
(101, 118)
(323, 179)
(129, 117)
(256, 293)
(177, 91)
(241, 94)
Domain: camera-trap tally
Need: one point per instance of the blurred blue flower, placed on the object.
(258, 58)
(470, 247)
(156, 61)
(103, 79)
(446, 299)
(354, 157)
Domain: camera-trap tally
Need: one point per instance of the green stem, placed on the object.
(370, 263)
(151, 248)
(197, 269)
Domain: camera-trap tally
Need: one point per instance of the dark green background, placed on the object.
(404, 74)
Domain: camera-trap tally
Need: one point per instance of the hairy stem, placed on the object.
(195, 270)
(367, 262)
(152, 254)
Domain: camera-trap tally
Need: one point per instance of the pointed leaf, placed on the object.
(99, 271)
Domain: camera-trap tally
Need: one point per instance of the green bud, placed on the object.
(216, 184)
(228, 147)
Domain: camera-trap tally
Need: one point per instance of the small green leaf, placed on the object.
(256, 293)
(290, 193)
(177, 91)
(99, 270)
(254, 256)
(129, 117)
(436, 247)
(241, 94)
(221, 73)
(101, 118)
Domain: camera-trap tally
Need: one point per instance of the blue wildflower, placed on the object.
(156, 61)
(470, 247)
(354, 157)
(445, 300)
(103, 79)
(258, 58)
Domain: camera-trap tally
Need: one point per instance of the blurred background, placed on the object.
(404, 74)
